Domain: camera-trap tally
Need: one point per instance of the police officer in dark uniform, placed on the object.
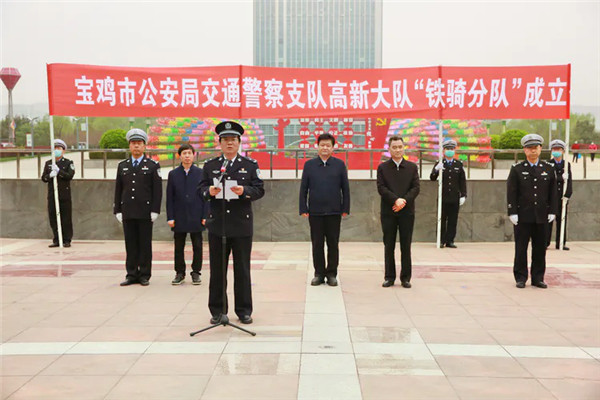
(237, 219)
(63, 170)
(558, 150)
(454, 191)
(532, 201)
(138, 193)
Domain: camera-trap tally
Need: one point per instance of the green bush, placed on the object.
(114, 139)
(495, 141)
(511, 139)
(117, 155)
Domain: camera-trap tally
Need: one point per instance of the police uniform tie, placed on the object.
(135, 163)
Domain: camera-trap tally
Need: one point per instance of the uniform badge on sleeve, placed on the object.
(158, 173)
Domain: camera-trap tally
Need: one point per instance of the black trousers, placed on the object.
(449, 221)
(325, 228)
(65, 220)
(558, 225)
(138, 245)
(391, 225)
(196, 238)
(242, 284)
(524, 231)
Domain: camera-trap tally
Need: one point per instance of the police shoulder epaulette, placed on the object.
(155, 162)
(213, 159)
(123, 161)
(250, 159)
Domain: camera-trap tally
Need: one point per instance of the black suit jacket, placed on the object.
(184, 204)
(138, 191)
(64, 177)
(531, 191)
(398, 182)
(454, 181)
(238, 212)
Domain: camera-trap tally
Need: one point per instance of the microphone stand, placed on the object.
(223, 318)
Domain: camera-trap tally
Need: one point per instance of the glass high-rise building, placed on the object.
(317, 33)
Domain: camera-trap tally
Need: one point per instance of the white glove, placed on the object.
(439, 166)
(514, 219)
(565, 176)
(461, 201)
(119, 217)
(551, 217)
(54, 171)
(565, 198)
(153, 216)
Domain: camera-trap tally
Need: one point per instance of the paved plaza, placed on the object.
(69, 331)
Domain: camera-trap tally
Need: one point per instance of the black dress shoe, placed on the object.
(317, 280)
(387, 283)
(144, 282)
(541, 285)
(565, 248)
(406, 285)
(67, 245)
(451, 245)
(53, 245)
(128, 282)
(332, 281)
(520, 285)
(246, 319)
(178, 280)
(215, 319)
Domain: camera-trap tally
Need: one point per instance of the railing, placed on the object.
(423, 160)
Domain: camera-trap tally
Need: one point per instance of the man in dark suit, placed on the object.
(398, 184)
(138, 193)
(186, 213)
(230, 210)
(324, 200)
(454, 191)
(532, 201)
(63, 170)
(563, 174)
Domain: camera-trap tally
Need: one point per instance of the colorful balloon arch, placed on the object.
(170, 133)
(423, 134)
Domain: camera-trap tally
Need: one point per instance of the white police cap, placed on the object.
(137, 134)
(532, 139)
(558, 143)
(449, 143)
(61, 143)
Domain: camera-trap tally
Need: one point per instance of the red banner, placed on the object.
(533, 92)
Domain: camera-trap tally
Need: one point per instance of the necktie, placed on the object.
(135, 163)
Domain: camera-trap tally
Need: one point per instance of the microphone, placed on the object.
(223, 170)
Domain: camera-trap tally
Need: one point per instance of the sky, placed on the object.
(204, 33)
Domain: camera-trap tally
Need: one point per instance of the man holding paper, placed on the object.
(235, 180)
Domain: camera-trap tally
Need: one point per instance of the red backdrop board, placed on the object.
(531, 92)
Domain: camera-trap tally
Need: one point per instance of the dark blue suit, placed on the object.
(325, 196)
(187, 208)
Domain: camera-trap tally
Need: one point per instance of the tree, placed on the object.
(584, 132)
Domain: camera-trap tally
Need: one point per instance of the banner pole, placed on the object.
(563, 215)
(55, 183)
(439, 196)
